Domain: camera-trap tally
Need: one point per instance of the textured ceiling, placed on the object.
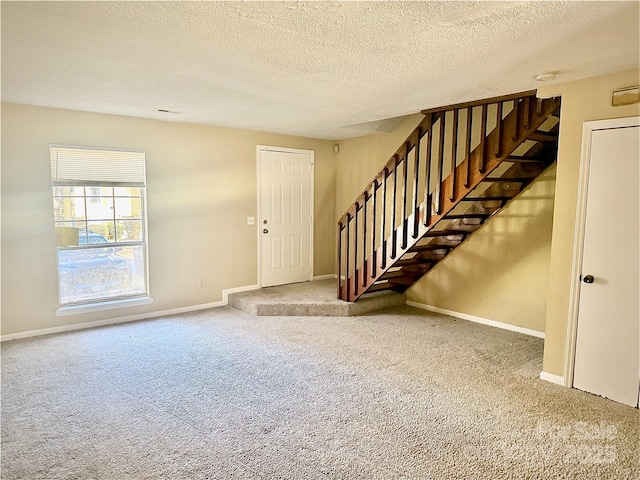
(319, 69)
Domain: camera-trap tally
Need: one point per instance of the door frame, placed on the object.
(266, 148)
(578, 241)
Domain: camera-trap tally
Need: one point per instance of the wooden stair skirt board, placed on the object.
(457, 169)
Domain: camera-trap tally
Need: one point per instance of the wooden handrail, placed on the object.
(477, 103)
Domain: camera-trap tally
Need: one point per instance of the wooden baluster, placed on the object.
(498, 149)
(467, 143)
(393, 207)
(374, 215)
(427, 180)
(454, 154)
(356, 237)
(517, 104)
(340, 296)
(365, 220)
(347, 248)
(405, 185)
(383, 225)
(416, 183)
(527, 113)
(440, 164)
(538, 106)
(483, 138)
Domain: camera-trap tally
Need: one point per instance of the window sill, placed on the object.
(96, 307)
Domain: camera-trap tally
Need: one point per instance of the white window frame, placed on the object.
(92, 167)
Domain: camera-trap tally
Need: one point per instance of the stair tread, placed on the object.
(485, 199)
(524, 160)
(420, 269)
(378, 287)
(512, 180)
(414, 261)
(446, 233)
(394, 274)
(405, 281)
(466, 215)
(430, 247)
(540, 136)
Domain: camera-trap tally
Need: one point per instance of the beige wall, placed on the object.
(582, 101)
(201, 187)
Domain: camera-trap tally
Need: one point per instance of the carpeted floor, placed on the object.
(220, 394)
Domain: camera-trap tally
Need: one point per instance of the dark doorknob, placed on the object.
(588, 279)
(265, 231)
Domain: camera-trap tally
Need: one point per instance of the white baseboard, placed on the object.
(553, 378)
(128, 318)
(473, 318)
(227, 291)
(330, 276)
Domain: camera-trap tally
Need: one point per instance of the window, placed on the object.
(100, 223)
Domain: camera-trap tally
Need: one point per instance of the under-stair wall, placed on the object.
(419, 188)
(501, 273)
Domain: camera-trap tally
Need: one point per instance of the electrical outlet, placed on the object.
(251, 220)
(201, 282)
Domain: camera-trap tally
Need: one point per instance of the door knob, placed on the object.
(265, 231)
(588, 279)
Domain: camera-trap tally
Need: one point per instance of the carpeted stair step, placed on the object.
(311, 299)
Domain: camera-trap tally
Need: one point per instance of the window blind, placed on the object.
(97, 165)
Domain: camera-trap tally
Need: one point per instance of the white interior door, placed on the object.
(607, 356)
(286, 224)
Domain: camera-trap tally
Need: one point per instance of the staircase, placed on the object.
(457, 169)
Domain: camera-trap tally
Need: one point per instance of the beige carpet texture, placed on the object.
(222, 394)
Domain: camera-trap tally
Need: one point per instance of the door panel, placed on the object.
(607, 360)
(285, 184)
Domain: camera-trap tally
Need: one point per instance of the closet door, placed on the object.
(607, 360)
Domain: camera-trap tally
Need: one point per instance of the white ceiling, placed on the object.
(319, 69)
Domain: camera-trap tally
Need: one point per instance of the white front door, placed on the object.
(285, 223)
(607, 358)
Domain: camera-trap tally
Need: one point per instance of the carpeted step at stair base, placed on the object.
(310, 299)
